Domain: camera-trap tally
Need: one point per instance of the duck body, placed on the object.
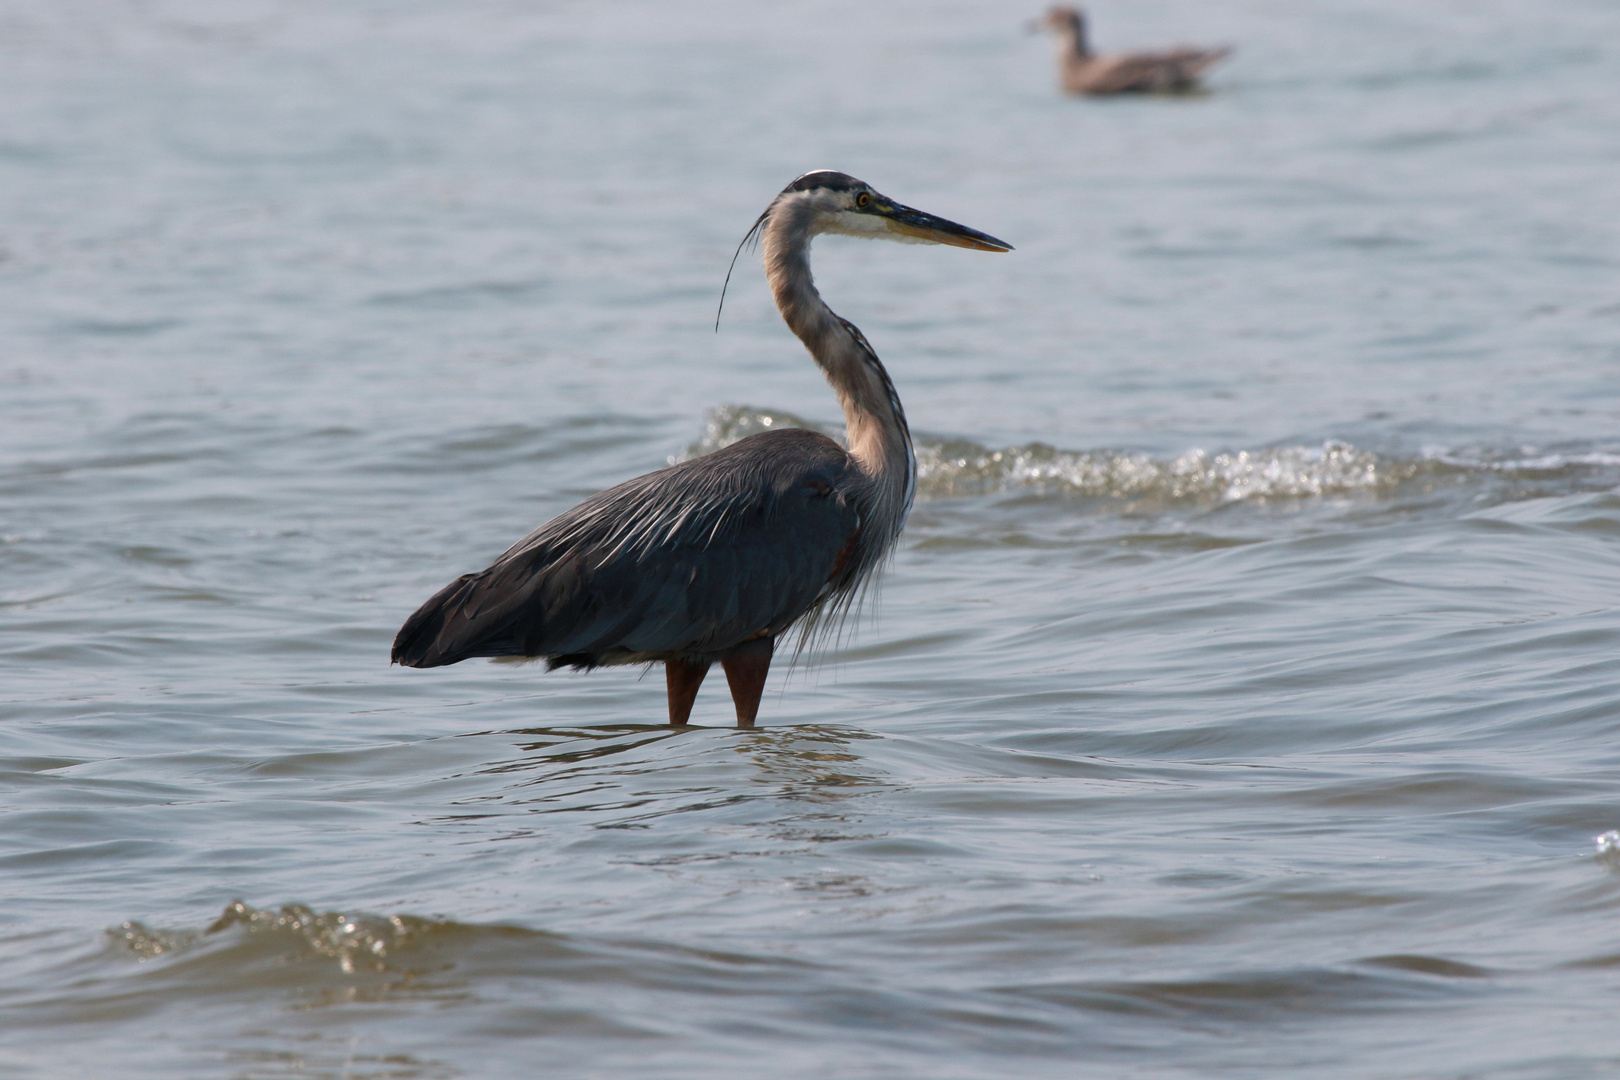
(1081, 71)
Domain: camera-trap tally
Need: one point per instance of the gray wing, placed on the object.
(695, 558)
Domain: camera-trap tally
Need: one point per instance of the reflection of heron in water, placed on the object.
(1082, 71)
(712, 559)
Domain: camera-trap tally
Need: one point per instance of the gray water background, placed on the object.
(1242, 700)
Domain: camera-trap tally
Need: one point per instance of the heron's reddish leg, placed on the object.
(746, 667)
(684, 677)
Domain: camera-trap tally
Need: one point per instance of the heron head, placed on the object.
(840, 204)
(825, 201)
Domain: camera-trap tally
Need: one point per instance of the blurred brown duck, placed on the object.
(1082, 71)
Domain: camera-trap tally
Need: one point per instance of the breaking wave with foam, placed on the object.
(948, 468)
(952, 468)
(355, 941)
(958, 467)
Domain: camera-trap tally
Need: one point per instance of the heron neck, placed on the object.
(879, 439)
(1072, 41)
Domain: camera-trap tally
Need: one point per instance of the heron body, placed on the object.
(715, 558)
(1081, 71)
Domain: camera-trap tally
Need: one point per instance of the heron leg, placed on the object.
(746, 667)
(684, 677)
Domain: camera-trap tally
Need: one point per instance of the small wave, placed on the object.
(356, 942)
(295, 945)
(948, 468)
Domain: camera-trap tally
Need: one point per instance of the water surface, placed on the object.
(1242, 700)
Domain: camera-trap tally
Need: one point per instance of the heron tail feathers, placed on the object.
(437, 633)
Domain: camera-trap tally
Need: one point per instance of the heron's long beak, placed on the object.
(934, 230)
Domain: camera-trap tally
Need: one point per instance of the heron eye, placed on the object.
(863, 200)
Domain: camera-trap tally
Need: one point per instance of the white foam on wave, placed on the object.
(955, 467)
(1528, 460)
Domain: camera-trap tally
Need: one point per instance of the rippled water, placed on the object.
(1243, 698)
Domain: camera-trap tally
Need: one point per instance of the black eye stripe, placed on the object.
(824, 178)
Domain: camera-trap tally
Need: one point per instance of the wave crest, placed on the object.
(948, 468)
(958, 467)
(355, 941)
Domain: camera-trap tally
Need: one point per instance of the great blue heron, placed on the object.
(1081, 71)
(714, 558)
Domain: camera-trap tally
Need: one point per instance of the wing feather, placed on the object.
(695, 558)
